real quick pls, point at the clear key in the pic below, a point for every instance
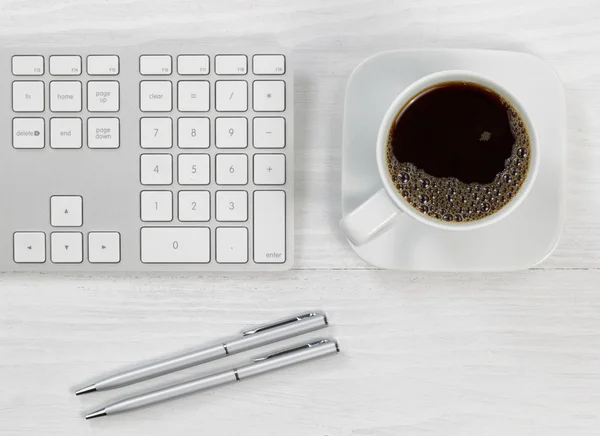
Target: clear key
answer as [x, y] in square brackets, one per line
[156, 96]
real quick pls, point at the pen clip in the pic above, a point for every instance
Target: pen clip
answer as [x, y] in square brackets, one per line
[290, 350]
[281, 323]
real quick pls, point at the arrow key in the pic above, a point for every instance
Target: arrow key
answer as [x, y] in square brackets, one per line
[29, 247]
[66, 211]
[104, 247]
[66, 247]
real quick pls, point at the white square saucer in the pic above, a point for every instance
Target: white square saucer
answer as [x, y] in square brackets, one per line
[519, 241]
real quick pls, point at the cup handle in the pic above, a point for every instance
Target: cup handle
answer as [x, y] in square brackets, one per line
[369, 220]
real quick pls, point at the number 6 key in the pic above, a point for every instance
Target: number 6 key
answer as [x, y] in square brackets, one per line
[232, 169]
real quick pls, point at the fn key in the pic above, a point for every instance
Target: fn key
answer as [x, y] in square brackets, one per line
[269, 226]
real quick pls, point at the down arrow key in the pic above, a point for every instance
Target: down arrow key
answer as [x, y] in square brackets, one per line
[66, 247]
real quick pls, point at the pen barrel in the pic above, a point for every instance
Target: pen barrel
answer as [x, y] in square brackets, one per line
[172, 392]
[284, 360]
[163, 367]
[280, 333]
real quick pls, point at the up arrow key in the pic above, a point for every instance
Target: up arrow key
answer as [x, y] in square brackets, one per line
[66, 211]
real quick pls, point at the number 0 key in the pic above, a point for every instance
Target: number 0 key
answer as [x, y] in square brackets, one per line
[175, 244]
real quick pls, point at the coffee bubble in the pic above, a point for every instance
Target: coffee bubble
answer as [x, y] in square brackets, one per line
[451, 200]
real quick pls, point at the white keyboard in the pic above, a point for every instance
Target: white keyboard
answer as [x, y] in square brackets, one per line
[166, 157]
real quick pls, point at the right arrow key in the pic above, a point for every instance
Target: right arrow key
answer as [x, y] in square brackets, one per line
[104, 247]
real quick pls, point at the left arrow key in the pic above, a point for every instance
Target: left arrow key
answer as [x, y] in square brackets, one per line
[29, 247]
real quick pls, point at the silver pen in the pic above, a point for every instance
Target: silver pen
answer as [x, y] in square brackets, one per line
[250, 339]
[261, 365]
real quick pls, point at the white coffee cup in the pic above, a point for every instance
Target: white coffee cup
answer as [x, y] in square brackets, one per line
[378, 214]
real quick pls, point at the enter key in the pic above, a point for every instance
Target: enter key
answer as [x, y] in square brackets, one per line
[269, 227]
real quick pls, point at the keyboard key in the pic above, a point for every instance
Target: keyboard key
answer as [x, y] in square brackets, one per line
[104, 247]
[269, 226]
[175, 244]
[29, 247]
[232, 95]
[28, 65]
[103, 96]
[156, 169]
[156, 132]
[68, 65]
[194, 206]
[66, 133]
[156, 96]
[103, 65]
[232, 244]
[28, 96]
[193, 65]
[193, 169]
[232, 206]
[66, 211]
[269, 132]
[103, 132]
[156, 206]
[157, 65]
[193, 96]
[193, 132]
[269, 95]
[268, 64]
[231, 132]
[231, 64]
[232, 169]
[269, 169]
[65, 96]
[28, 133]
[66, 247]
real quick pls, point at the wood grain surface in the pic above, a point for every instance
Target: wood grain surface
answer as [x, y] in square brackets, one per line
[422, 354]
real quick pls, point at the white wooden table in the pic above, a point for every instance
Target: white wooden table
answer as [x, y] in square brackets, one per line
[434, 354]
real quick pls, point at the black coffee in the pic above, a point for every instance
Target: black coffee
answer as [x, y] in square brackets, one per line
[458, 152]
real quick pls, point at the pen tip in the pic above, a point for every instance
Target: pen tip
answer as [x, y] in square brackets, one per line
[96, 414]
[91, 388]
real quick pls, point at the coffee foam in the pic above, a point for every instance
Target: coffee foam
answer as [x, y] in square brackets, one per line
[450, 200]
